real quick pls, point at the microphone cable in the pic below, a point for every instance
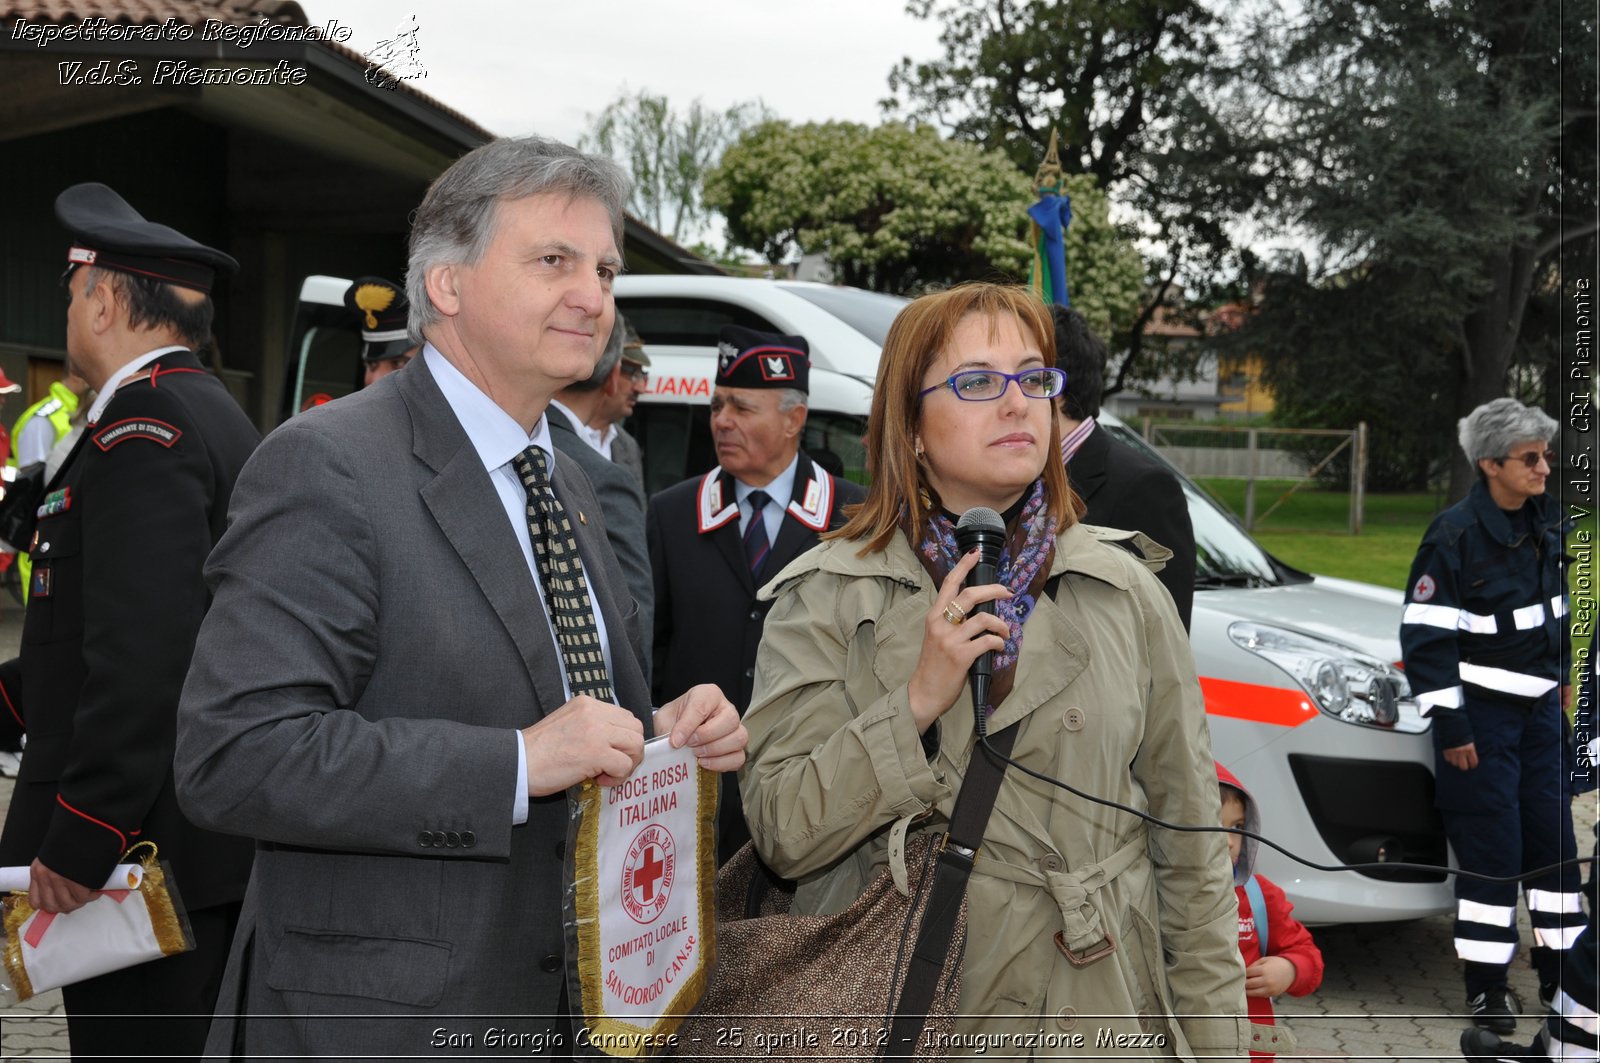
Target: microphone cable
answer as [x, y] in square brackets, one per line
[1398, 865]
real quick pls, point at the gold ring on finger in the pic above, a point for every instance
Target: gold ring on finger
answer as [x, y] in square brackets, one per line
[954, 613]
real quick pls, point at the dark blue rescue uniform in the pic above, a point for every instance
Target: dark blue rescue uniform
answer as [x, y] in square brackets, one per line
[1484, 638]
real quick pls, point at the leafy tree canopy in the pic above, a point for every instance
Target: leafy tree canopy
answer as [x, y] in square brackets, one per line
[898, 209]
[668, 153]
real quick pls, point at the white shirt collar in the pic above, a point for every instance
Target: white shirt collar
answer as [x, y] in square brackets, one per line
[114, 381]
[597, 439]
[780, 490]
[493, 433]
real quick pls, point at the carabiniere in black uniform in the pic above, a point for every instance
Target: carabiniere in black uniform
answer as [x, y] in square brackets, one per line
[116, 601]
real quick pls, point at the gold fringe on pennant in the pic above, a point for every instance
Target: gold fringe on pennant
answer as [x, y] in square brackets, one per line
[17, 912]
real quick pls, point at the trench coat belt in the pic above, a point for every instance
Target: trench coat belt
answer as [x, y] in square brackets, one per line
[1080, 920]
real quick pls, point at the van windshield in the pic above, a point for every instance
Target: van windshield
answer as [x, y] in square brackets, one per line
[1225, 555]
[869, 313]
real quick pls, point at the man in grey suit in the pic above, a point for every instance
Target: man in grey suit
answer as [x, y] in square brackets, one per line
[378, 694]
[571, 415]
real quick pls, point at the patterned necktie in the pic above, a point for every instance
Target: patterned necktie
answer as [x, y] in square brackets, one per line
[566, 591]
[756, 545]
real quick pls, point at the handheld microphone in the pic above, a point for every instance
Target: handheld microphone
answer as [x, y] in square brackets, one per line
[981, 528]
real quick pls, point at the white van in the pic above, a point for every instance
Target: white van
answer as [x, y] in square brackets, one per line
[1305, 702]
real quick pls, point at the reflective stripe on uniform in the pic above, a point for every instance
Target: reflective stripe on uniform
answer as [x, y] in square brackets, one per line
[1570, 1053]
[1551, 901]
[1478, 624]
[1557, 937]
[1528, 617]
[1500, 679]
[1485, 951]
[1448, 698]
[1579, 1015]
[1478, 912]
[1432, 616]
[1558, 606]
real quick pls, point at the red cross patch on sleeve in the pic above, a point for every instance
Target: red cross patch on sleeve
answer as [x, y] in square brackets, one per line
[137, 428]
[1424, 589]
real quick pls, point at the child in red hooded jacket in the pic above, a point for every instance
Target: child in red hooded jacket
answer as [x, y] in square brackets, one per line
[1283, 959]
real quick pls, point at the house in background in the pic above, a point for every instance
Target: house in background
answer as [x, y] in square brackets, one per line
[315, 171]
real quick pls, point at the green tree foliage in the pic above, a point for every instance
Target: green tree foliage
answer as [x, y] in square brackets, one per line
[668, 153]
[897, 209]
[1423, 147]
[1139, 91]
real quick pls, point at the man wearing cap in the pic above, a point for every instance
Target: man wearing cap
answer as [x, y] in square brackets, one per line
[634, 378]
[380, 310]
[1484, 636]
[621, 497]
[715, 539]
[116, 597]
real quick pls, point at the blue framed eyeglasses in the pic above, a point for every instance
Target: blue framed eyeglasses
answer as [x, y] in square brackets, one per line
[986, 385]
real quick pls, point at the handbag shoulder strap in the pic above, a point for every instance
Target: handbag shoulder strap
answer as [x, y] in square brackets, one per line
[957, 853]
[1258, 911]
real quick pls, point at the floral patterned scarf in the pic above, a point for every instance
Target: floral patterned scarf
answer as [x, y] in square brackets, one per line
[1024, 568]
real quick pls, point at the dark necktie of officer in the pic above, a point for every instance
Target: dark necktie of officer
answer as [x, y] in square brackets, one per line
[566, 591]
[756, 545]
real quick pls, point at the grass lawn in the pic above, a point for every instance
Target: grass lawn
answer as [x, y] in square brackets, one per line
[1311, 528]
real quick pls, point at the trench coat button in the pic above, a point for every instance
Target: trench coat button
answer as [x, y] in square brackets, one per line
[551, 963]
[1144, 1022]
[468, 839]
[561, 849]
[1074, 719]
[1051, 862]
[755, 614]
[425, 840]
[452, 840]
[44, 548]
[438, 839]
[749, 673]
[1067, 1018]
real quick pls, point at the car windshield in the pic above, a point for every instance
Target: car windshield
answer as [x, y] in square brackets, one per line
[869, 313]
[1225, 556]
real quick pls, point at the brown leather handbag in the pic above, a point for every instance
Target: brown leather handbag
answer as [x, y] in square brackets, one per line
[879, 980]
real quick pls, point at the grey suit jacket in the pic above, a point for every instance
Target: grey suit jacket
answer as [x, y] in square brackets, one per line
[625, 452]
[622, 500]
[374, 640]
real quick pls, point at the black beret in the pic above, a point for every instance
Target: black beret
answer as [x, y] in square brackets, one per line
[750, 359]
[380, 311]
[109, 234]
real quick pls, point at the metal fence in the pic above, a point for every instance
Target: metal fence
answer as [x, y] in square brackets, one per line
[1254, 454]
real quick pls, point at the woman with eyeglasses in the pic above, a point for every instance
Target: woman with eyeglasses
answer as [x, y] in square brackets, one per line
[1484, 636]
[1083, 920]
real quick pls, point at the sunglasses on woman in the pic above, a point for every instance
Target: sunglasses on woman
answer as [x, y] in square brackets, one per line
[1532, 458]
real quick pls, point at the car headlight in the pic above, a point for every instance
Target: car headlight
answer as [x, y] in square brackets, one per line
[1344, 683]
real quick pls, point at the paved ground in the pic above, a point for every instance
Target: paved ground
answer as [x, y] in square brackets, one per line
[1392, 990]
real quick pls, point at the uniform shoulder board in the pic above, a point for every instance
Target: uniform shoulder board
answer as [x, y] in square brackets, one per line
[119, 432]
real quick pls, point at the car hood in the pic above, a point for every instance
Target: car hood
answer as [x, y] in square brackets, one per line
[1358, 615]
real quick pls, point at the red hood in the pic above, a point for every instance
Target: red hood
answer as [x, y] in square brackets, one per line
[1252, 822]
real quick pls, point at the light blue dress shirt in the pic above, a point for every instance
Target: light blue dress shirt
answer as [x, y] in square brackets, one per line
[498, 439]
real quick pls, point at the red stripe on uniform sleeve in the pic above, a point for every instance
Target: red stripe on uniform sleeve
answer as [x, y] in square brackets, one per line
[11, 707]
[121, 837]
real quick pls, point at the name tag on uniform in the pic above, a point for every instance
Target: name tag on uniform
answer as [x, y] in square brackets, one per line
[39, 586]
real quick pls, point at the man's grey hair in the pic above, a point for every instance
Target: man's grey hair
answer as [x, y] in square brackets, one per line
[458, 216]
[608, 360]
[789, 398]
[1494, 428]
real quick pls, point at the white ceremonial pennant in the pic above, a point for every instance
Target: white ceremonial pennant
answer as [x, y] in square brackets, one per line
[645, 897]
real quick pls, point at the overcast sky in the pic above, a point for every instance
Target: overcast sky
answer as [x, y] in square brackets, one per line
[539, 66]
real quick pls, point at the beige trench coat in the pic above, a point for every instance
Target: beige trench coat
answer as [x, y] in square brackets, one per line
[1108, 700]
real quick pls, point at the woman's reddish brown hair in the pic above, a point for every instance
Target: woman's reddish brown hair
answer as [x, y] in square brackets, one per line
[917, 338]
